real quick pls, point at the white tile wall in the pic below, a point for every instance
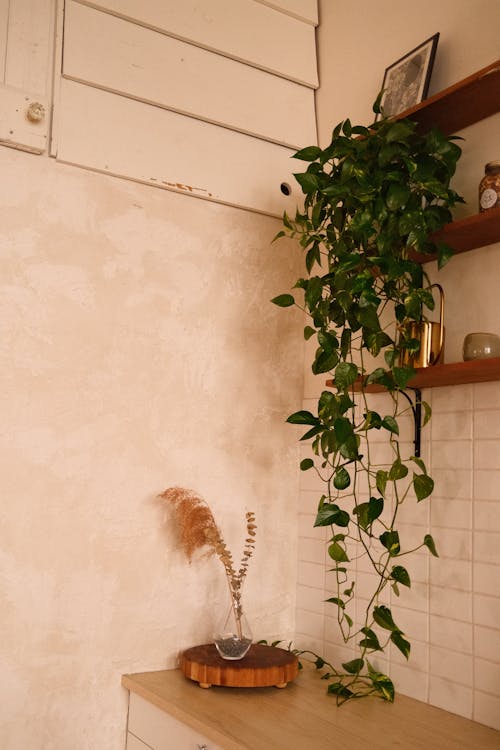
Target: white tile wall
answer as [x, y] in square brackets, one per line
[452, 613]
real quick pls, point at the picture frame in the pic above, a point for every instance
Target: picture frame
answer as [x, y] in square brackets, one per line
[406, 81]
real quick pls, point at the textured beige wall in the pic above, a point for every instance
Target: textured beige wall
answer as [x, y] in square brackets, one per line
[138, 350]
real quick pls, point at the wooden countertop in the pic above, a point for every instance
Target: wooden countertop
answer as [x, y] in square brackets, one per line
[303, 716]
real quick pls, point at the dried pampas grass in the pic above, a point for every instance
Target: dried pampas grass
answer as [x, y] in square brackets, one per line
[198, 531]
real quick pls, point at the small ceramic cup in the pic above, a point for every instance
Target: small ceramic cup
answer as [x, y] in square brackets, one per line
[481, 346]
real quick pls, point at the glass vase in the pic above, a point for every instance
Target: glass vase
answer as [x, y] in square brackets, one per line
[233, 636]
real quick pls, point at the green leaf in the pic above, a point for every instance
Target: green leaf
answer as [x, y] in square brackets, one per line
[427, 413]
[402, 375]
[303, 417]
[423, 485]
[281, 233]
[308, 182]
[381, 480]
[368, 512]
[312, 432]
[383, 617]
[345, 375]
[368, 318]
[397, 196]
[308, 332]
[382, 684]
[319, 663]
[376, 104]
[328, 341]
[330, 514]
[390, 424]
[283, 300]
[377, 376]
[390, 540]
[401, 575]
[344, 430]
[336, 688]
[324, 361]
[313, 291]
[419, 462]
[429, 543]
[335, 600]
[341, 480]
[371, 641]
[401, 643]
[337, 552]
[306, 463]
[397, 471]
[445, 252]
[313, 256]
[354, 667]
[376, 341]
[399, 131]
[310, 153]
[372, 421]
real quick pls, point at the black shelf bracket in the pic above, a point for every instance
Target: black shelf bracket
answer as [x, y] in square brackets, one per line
[416, 407]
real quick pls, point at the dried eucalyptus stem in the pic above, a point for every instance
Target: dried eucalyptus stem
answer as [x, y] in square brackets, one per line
[198, 530]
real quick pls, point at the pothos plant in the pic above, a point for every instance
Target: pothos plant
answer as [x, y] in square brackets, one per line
[373, 198]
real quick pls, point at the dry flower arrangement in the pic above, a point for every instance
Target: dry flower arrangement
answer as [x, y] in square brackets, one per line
[198, 531]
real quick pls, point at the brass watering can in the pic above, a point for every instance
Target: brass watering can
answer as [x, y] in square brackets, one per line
[430, 336]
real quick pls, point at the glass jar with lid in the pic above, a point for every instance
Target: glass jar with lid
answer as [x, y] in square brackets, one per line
[489, 187]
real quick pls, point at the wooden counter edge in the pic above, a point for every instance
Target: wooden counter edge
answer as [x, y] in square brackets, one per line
[132, 683]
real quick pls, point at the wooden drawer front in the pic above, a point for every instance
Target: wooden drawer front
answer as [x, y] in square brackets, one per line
[160, 731]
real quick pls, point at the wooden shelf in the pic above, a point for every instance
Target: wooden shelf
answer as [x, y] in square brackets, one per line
[457, 373]
[452, 109]
[467, 234]
[463, 104]
[460, 105]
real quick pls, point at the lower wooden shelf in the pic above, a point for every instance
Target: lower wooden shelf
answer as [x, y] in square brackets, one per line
[457, 373]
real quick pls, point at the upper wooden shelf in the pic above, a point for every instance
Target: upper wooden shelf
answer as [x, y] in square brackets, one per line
[462, 104]
[452, 109]
[457, 373]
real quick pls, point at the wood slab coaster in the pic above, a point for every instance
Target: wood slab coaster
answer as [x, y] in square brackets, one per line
[263, 666]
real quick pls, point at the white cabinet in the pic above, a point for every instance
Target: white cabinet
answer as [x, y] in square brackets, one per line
[151, 728]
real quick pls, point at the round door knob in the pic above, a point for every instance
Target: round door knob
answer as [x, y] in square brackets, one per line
[35, 112]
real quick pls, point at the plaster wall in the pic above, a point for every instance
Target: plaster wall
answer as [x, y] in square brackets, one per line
[139, 350]
[452, 613]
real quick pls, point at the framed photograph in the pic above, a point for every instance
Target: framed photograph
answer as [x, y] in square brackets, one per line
[406, 81]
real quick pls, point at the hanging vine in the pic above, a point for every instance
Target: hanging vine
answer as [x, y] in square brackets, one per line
[373, 198]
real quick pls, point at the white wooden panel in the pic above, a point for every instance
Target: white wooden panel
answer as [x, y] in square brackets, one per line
[134, 744]
[161, 730]
[4, 19]
[306, 10]
[155, 68]
[29, 46]
[121, 136]
[16, 129]
[242, 29]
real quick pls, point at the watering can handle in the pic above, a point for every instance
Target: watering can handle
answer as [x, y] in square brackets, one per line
[441, 321]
